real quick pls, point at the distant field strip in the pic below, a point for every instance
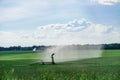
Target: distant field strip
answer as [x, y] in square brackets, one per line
[16, 55]
[111, 53]
[19, 55]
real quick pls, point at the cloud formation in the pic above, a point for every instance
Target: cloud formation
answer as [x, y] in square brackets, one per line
[106, 2]
[74, 32]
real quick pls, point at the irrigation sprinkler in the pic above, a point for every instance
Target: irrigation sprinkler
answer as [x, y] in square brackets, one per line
[53, 62]
[44, 63]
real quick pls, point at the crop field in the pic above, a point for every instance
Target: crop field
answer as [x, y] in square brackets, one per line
[18, 55]
[16, 65]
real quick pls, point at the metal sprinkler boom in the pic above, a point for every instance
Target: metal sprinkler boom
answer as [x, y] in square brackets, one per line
[53, 62]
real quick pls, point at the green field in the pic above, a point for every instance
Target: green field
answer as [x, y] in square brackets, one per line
[17, 67]
[18, 55]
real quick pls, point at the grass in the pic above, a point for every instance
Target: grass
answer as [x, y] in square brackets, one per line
[59, 72]
[18, 55]
[111, 53]
[106, 67]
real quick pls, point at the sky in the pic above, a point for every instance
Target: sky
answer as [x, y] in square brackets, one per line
[59, 22]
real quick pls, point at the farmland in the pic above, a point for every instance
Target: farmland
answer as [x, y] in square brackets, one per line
[17, 67]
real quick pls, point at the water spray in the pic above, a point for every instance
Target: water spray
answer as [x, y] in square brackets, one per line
[70, 53]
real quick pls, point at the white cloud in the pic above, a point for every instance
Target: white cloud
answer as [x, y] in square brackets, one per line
[73, 32]
[106, 2]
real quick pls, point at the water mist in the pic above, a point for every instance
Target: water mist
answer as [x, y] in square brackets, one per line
[69, 53]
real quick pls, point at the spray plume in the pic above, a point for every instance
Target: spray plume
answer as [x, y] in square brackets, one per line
[71, 53]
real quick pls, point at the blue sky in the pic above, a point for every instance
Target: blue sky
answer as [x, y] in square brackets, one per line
[26, 16]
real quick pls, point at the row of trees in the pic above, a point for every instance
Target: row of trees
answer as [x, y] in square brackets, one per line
[111, 46]
[19, 48]
[88, 46]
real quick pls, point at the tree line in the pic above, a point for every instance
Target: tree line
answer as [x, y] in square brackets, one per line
[78, 47]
